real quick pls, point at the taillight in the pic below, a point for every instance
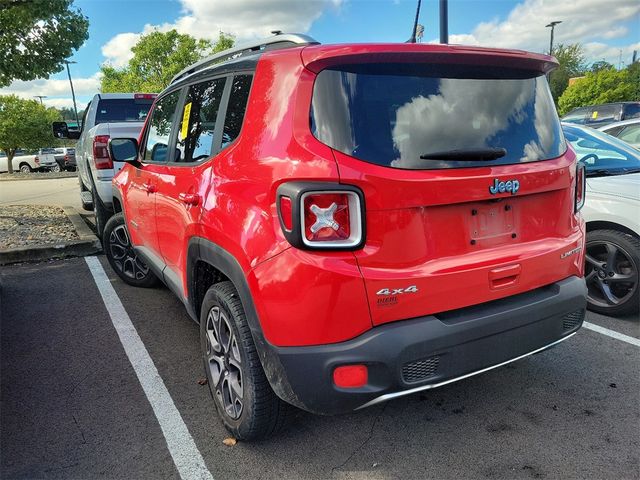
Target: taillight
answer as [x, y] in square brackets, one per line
[101, 152]
[327, 218]
[581, 186]
[36, 160]
[321, 216]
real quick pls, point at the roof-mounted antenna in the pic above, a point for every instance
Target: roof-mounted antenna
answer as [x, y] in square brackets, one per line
[276, 32]
[415, 25]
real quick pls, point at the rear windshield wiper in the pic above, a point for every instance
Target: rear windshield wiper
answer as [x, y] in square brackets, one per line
[467, 154]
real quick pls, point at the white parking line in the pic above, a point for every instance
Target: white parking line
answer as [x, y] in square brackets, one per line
[182, 448]
[612, 333]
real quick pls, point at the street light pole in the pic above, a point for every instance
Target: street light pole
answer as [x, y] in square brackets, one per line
[73, 94]
[444, 21]
[40, 97]
[553, 26]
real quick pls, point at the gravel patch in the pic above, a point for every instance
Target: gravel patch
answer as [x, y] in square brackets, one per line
[27, 225]
[6, 177]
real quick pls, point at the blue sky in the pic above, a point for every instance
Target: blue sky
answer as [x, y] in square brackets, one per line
[604, 27]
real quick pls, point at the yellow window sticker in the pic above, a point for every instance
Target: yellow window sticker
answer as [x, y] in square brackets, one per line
[594, 115]
[185, 120]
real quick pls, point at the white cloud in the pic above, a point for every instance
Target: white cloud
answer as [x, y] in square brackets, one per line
[57, 91]
[584, 21]
[244, 19]
[117, 51]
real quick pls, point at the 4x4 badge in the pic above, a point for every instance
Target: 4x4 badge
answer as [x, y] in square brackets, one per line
[511, 186]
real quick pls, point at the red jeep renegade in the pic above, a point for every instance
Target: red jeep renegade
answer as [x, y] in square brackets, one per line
[353, 223]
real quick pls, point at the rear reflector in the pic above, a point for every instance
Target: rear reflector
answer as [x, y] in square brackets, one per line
[101, 152]
[350, 376]
[286, 213]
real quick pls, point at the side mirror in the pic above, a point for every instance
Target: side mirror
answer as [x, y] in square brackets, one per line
[61, 130]
[123, 149]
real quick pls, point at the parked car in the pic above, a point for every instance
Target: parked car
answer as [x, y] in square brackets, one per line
[66, 158]
[600, 115]
[46, 157]
[344, 231]
[612, 213]
[628, 131]
[24, 161]
[107, 115]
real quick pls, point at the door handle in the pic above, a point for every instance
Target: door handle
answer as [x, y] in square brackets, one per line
[189, 198]
[150, 188]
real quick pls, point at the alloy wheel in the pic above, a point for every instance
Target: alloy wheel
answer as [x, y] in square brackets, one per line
[224, 362]
[124, 256]
[610, 274]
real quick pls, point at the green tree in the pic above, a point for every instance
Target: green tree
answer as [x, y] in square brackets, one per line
[157, 57]
[24, 124]
[601, 65]
[572, 64]
[37, 36]
[603, 86]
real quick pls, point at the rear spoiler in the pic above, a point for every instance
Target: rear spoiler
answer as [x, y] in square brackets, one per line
[317, 58]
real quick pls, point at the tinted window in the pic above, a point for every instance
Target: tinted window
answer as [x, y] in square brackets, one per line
[197, 125]
[122, 110]
[162, 119]
[613, 131]
[576, 116]
[236, 108]
[632, 110]
[603, 113]
[383, 115]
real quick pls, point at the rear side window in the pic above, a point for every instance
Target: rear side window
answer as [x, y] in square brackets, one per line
[236, 108]
[390, 115]
[122, 110]
[632, 110]
[196, 133]
[162, 118]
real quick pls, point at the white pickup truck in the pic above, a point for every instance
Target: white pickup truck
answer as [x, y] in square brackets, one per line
[27, 162]
[108, 115]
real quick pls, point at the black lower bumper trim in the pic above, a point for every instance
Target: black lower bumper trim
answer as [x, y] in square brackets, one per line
[442, 348]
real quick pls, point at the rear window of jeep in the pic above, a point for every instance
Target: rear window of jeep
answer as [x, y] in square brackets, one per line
[391, 115]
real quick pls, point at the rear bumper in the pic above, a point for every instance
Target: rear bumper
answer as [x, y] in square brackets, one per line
[422, 353]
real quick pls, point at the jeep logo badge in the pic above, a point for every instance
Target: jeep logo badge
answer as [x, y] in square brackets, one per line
[511, 186]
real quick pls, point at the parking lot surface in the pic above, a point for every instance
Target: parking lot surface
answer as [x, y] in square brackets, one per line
[72, 405]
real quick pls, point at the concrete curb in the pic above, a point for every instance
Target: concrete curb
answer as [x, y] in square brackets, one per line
[88, 244]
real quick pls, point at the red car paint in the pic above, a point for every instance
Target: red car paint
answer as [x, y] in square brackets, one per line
[425, 248]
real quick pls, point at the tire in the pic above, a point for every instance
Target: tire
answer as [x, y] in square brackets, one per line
[100, 213]
[611, 272]
[121, 256]
[25, 168]
[259, 413]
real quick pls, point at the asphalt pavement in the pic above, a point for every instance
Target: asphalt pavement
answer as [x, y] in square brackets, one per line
[72, 405]
[55, 191]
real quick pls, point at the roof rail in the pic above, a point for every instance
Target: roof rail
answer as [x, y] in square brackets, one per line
[279, 40]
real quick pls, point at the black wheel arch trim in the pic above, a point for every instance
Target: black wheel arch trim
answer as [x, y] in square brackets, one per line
[201, 249]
